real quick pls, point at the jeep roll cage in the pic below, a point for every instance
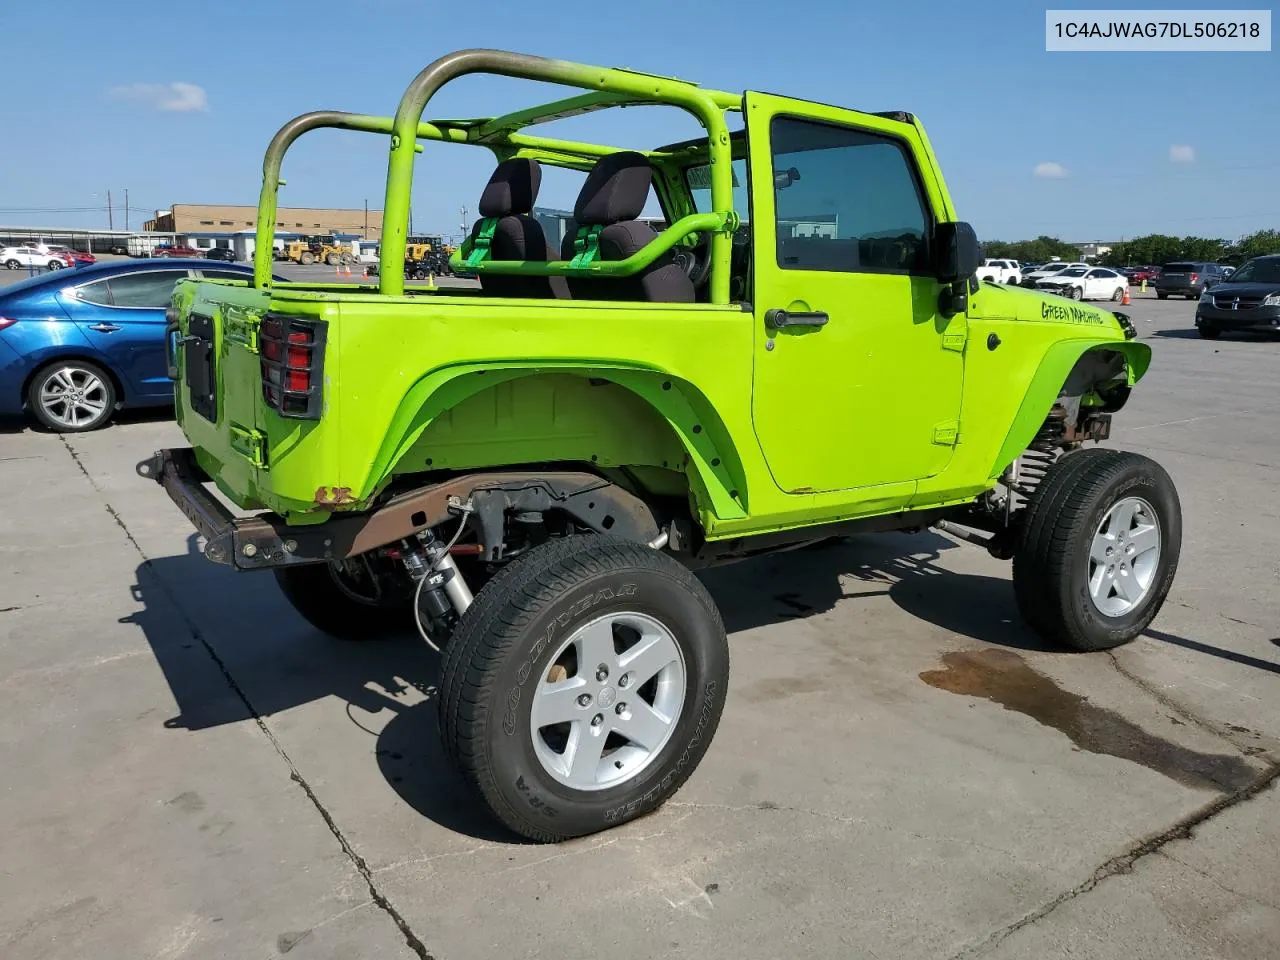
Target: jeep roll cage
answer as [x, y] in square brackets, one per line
[608, 88]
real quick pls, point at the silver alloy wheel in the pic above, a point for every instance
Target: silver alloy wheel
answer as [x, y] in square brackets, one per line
[599, 716]
[1124, 557]
[73, 397]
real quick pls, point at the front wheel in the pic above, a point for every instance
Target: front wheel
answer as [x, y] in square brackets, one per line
[55, 265]
[307, 258]
[331, 259]
[583, 686]
[1077, 293]
[1098, 549]
[1117, 295]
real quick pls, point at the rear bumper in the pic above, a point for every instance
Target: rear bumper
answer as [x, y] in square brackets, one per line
[1183, 291]
[247, 543]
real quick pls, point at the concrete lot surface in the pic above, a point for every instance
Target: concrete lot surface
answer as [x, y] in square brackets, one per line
[903, 770]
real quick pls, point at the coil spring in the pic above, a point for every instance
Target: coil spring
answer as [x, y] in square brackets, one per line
[1044, 449]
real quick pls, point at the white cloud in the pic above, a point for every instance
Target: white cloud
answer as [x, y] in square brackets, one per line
[1181, 153]
[174, 97]
[1050, 170]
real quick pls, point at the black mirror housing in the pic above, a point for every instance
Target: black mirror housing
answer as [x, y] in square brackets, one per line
[956, 251]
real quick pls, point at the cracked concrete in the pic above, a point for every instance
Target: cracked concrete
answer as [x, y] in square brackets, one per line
[203, 776]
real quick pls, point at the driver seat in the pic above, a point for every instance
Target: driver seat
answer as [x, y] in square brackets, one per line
[612, 197]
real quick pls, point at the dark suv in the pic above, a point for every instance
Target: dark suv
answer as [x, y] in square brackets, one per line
[1250, 300]
[1187, 278]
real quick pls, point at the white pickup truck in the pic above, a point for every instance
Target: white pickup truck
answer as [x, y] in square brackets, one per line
[1000, 271]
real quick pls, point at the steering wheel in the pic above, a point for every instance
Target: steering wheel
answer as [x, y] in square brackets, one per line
[695, 261]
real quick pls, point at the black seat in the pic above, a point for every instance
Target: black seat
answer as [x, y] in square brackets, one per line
[508, 199]
[612, 197]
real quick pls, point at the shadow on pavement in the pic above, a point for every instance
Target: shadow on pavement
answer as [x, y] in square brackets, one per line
[1207, 648]
[231, 649]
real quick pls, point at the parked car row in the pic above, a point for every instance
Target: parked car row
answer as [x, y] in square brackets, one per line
[43, 256]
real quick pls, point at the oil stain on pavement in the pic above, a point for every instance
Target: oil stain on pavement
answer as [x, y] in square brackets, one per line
[1004, 677]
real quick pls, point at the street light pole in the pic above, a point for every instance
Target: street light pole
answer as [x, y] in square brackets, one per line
[110, 222]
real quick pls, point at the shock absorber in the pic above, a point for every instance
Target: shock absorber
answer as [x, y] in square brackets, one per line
[1025, 473]
[441, 589]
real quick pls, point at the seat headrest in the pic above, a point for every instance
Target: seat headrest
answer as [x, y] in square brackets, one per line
[513, 188]
[615, 190]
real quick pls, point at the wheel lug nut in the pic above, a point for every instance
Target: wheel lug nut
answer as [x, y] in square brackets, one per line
[620, 709]
[584, 700]
[624, 681]
[597, 720]
[602, 673]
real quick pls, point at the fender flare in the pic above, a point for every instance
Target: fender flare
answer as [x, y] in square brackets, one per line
[1042, 391]
[717, 477]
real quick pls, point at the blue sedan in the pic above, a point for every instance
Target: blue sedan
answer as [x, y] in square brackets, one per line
[77, 345]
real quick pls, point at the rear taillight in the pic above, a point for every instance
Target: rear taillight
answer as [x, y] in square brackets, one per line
[6, 323]
[1195, 278]
[292, 353]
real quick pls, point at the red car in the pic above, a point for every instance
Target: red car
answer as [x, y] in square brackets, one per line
[1140, 274]
[74, 258]
[175, 251]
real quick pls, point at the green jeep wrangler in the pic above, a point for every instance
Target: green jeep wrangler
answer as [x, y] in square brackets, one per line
[530, 467]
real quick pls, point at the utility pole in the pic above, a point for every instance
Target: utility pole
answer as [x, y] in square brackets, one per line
[110, 222]
[411, 221]
[366, 220]
[126, 208]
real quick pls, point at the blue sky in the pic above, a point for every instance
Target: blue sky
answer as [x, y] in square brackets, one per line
[177, 101]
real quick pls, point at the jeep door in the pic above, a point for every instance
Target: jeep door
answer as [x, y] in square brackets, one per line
[858, 377]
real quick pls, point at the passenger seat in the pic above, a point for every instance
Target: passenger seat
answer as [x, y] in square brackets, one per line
[508, 198]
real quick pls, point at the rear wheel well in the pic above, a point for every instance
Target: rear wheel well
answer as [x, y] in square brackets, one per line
[116, 382]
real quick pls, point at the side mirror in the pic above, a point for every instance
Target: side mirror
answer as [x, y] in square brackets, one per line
[956, 251]
[786, 178]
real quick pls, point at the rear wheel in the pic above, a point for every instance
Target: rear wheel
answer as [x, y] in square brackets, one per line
[1098, 549]
[72, 396]
[583, 686]
[355, 599]
[13, 264]
[1161, 295]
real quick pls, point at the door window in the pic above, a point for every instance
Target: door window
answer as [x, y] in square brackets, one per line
[150, 290]
[99, 293]
[845, 200]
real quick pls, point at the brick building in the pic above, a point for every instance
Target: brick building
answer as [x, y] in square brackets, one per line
[198, 220]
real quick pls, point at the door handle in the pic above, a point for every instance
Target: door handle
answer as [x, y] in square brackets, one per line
[103, 327]
[783, 318]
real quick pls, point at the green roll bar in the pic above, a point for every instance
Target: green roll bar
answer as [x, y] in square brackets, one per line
[651, 251]
[407, 128]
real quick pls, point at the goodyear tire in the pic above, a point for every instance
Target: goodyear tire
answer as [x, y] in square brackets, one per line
[350, 603]
[1097, 549]
[583, 686]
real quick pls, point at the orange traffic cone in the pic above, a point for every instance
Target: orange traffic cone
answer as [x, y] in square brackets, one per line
[1126, 301]
[365, 275]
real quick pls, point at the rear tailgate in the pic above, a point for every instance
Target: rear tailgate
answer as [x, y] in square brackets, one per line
[219, 382]
[251, 397]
